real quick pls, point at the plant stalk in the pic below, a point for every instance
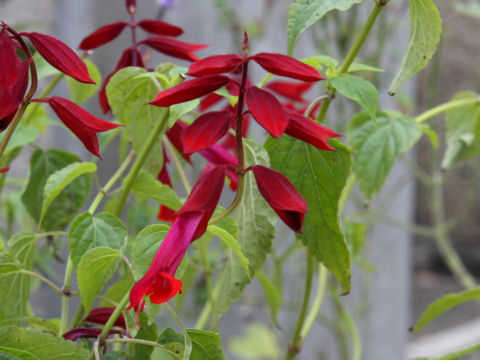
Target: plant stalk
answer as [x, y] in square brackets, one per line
[451, 105]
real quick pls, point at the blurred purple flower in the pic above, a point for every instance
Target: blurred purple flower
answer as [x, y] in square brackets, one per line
[165, 3]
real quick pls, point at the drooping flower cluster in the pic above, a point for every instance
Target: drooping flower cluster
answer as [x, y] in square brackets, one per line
[190, 222]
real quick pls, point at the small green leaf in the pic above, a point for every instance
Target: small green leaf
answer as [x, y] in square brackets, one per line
[304, 13]
[15, 354]
[147, 187]
[319, 176]
[425, 32]
[274, 297]
[89, 231]
[363, 67]
[359, 90]
[94, 271]
[445, 303]
[258, 343]
[79, 92]
[60, 179]
[8, 264]
[376, 146]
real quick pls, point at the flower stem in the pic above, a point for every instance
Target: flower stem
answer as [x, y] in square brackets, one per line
[65, 299]
[41, 278]
[318, 301]
[451, 105]
[142, 157]
[297, 339]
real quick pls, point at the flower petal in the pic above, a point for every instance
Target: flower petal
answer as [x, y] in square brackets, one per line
[175, 48]
[102, 35]
[206, 131]
[60, 56]
[280, 194]
[283, 65]
[190, 90]
[290, 90]
[217, 64]
[267, 110]
[160, 27]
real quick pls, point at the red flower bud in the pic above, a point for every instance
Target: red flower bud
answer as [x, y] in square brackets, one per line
[217, 64]
[206, 131]
[283, 65]
[175, 48]
[280, 194]
[102, 314]
[174, 135]
[102, 35]
[131, 6]
[60, 56]
[160, 28]
[9, 61]
[4, 169]
[11, 97]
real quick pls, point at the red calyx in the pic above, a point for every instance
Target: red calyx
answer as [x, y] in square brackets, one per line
[217, 64]
[4, 169]
[101, 315]
[158, 27]
[175, 48]
[102, 35]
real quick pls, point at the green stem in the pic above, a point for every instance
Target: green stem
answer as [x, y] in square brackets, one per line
[352, 328]
[451, 105]
[207, 309]
[347, 189]
[143, 342]
[318, 301]
[65, 299]
[41, 278]
[459, 354]
[142, 157]
[178, 166]
[187, 341]
[296, 342]
[53, 233]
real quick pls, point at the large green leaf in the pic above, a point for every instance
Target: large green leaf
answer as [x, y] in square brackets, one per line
[463, 125]
[94, 271]
[147, 187]
[60, 179]
[89, 231]
[445, 303]
[67, 204]
[80, 92]
[15, 287]
[359, 90]
[304, 13]
[425, 32]
[256, 231]
[43, 346]
[377, 144]
[319, 176]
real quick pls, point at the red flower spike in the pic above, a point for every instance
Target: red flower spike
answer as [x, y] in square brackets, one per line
[217, 64]
[280, 194]
[292, 91]
[101, 315]
[4, 169]
[283, 65]
[174, 135]
[102, 35]
[190, 90]
[206, 131]
[309, 131]
[158, 27]
[60, 56]
[83, 124]
[175, 48]
[267, 110]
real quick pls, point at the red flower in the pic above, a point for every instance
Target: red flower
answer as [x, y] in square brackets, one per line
[280, 194]
[290, 90]
[284, 65]
[217, 64]
[101, 315]
[83, 124]
[85, 332]
[175, 48]
[166, 214]
[160, 27]
[190, 223]
[4, 169]
[102, 35]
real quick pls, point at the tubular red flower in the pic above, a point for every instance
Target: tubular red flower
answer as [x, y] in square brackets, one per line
[160, 27]
[101, 315]
[102, 35]
[219, 155]
[283, 65]
[175, 48]
[309, 131]
[60, 56]
[190, 90]
[280, 194]
[166, 214]
[267, 110]
[292, 91]
[83, 124]
[217, 64]
[206, 131]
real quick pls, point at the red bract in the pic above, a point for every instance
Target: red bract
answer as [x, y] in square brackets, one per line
[9, 61]
[218, 155]
[209, 100]
[102, 314]
[4, 169]
[190, 90]
[280, 194]
[60, 56]
[292, 91]
[130, 57]
[283, 65]
[12, 96]
[206, 131]
[160, 27]
[217, 64]
[83, 124]
[174, 135]
[309, 131]
[267, 110]
[175, 48]
[102, 35]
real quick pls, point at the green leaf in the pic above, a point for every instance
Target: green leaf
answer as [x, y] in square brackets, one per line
[425, 31]
[273, 295]
[79, 92]
[147, 187]
[445, 303]
[60, 179]
[320, 177]
[8, 264]
[363, 67]
[146, 332]
[359, 90]
[259, 342]
[34, 322]
[67, 204]
[15, 354]
[462, 124]
[355, 233]
[128, 95]
[304, 13]
[376, 146]
[41, 345]
[94, 271]
[256, 231]
[89, 231]
[24, 134]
